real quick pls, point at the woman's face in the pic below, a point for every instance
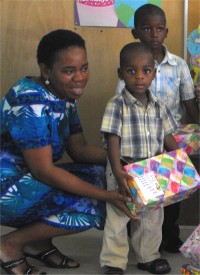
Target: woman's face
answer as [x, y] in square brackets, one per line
[69, 73]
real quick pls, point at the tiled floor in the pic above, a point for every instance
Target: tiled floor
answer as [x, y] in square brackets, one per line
[85, 247]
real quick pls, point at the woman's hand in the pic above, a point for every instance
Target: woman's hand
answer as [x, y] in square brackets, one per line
[119, 200]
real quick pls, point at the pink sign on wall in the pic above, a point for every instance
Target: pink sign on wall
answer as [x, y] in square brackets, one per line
[108, 13]
[96, 13]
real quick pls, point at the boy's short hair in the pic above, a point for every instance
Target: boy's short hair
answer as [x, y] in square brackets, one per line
[145, 10]
[138, 47]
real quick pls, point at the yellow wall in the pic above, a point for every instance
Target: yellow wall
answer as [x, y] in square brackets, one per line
[24, 22]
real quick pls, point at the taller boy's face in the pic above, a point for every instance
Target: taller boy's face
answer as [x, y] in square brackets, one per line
[152, 31]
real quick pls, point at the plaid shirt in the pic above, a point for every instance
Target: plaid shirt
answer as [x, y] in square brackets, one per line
[141, 129]
[172, 84]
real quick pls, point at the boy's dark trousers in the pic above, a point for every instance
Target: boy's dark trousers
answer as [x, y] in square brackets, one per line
[170, 229]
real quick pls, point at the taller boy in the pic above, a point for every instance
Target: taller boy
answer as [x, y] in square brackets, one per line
[173, 85]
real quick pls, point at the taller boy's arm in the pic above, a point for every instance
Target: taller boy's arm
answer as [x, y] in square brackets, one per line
[192, 110]
[170, 143]
[197, 90]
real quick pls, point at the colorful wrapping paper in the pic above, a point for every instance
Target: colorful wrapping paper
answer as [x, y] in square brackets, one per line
[187, 137]
[161, 180]
[188, 269]
[191, 248]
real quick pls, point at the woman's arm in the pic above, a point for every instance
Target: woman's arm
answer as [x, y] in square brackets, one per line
[40, 163]
[81, 152]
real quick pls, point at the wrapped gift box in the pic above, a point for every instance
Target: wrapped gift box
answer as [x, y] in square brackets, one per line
[188, 269]
[188, 138]
[161, 180]
[191, 247]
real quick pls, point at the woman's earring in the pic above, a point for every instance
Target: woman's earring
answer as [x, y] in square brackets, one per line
[46, 82]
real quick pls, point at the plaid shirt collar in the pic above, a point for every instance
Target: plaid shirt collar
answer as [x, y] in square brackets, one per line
[129, 99]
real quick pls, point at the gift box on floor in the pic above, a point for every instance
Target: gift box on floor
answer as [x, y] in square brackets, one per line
[191, 247]
[188, 269]
[161, 180]
[187, 137]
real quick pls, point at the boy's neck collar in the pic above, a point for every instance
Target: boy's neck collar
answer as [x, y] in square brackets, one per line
[159, 56]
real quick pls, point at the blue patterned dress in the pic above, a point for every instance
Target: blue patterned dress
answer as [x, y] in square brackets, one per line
[31, 117]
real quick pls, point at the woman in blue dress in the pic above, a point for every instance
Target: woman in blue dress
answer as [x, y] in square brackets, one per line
[39, 122]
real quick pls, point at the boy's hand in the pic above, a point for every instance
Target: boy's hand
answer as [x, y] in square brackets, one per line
[122, 179]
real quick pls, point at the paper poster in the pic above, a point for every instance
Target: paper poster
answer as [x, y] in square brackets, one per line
[108, 13]
[193, 45]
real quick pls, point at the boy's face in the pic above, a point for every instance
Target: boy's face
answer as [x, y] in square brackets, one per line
[152, 31]
[137, 72]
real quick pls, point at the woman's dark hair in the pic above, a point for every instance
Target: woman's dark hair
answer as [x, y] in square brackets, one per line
[138, 47]
[54, 41]
[145, 10]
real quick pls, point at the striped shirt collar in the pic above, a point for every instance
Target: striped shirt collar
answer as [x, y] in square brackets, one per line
[169, 58]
